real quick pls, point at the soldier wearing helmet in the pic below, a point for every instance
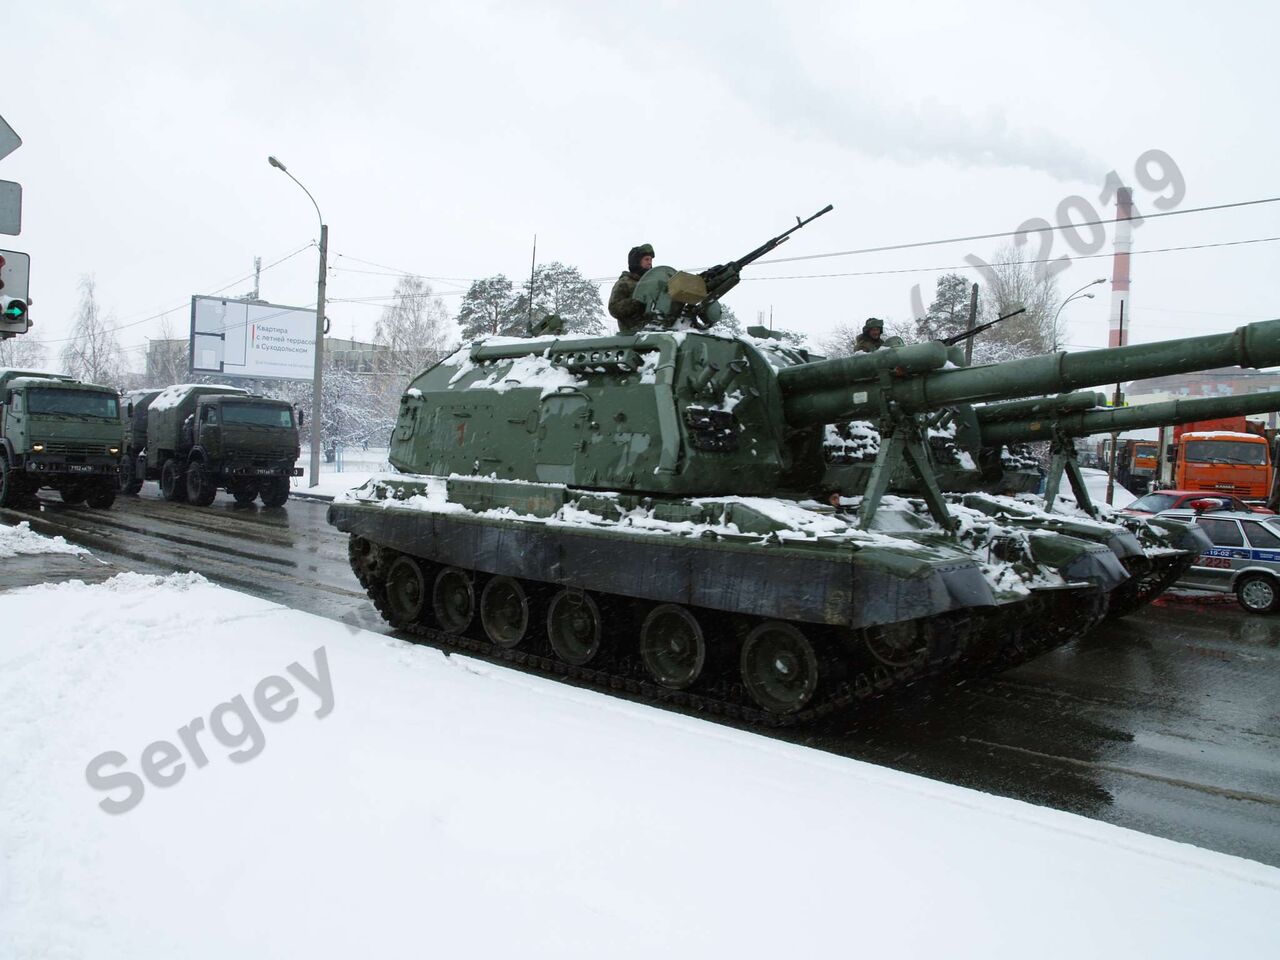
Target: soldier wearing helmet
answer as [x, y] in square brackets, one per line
[623, 306]
[869, 339]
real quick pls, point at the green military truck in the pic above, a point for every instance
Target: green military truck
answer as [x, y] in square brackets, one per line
[58, 432]
[134, 407]
[204, 437]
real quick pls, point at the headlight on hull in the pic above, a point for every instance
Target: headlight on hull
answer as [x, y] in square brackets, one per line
[113, 450]
[37, 448]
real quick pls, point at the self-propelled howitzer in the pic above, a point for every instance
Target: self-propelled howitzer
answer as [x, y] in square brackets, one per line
[636, 511]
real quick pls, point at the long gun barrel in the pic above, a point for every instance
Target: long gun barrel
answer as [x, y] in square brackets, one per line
[912, 378]
[724, 277]
[1081, 424]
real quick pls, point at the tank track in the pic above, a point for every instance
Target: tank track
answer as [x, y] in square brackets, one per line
[977, 643]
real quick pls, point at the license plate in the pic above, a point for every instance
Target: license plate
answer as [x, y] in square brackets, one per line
[264, 471]
[79, 468]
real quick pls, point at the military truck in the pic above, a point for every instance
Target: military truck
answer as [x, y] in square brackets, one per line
[58, 432]
[134, 406]
[204, 437]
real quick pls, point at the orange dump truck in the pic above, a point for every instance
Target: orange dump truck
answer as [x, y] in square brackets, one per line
[1225, 455]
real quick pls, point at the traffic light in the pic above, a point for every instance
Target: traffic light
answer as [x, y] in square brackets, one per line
[15, 273]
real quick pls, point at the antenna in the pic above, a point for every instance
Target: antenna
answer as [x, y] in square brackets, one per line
[533, 273]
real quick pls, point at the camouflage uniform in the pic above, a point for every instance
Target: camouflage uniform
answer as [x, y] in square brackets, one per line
[628, 311]
[864, 342]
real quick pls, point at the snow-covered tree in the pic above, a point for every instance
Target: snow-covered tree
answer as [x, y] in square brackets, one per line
[93, 354]
[564, 291]
[948, 314]
[489, 309]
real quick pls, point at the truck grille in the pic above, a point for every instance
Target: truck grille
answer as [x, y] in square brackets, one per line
[64, 449]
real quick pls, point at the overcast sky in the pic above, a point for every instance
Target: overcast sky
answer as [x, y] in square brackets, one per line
[438, 139]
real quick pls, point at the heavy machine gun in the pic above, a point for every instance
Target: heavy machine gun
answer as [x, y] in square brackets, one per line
[673, 297]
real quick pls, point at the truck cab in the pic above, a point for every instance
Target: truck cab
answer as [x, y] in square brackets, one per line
[59, 433]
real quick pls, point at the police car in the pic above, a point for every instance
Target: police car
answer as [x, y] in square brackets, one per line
[1245, 558]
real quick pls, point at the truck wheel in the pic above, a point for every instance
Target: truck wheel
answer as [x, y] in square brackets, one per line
[244, 495]
[171, 484]
[127, 482]
[1257, 593]
[200, 486]
[275, 492]
[103, 496]
[73, 495]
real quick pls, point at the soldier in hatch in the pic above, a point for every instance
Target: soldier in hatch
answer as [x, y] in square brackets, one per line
[869, 339]
[628, 311]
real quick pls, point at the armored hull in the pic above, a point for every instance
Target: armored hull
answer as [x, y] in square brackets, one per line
[564, 505]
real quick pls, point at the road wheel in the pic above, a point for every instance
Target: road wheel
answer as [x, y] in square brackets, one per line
[73, 495]
[244, 495]
[574, 627]
[103, 495]
[406, 591]
[275, 492]
[200, 486]
[9, 492]
[1257, 593]
[779, 667]
[504, 611]
[672, 646]
[453, 599]
[171, 484]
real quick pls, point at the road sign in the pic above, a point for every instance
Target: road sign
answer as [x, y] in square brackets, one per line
[9, 141]
[10, 207]
[10, 193]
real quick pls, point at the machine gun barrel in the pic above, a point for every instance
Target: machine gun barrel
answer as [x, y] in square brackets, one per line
[1082, 424]
[847, 388]
[723, 278]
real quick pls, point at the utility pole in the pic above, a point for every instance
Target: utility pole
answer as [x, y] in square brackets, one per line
[257, 273]
[1116, 402]
[973, 322]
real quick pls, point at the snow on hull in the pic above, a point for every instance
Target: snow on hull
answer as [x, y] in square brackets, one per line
[448, 808]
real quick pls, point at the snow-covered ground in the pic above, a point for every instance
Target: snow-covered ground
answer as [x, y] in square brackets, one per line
[1096, 481]
[413, 804]
[22, 540]
[357, 467]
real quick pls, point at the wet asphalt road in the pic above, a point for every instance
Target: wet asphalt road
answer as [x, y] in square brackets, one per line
[1167, 722]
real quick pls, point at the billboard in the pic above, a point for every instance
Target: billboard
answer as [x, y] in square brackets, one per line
[243, 338]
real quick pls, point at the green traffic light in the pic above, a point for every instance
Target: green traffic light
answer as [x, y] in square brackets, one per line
[14, 311]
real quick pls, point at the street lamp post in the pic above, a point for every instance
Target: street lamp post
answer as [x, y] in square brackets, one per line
[1073, 296]
[316, 413]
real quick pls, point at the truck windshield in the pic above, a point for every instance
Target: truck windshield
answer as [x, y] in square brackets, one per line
[1226, 451]
[75, 403]
[257, 415]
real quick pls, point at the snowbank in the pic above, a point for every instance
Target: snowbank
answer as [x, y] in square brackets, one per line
[448, 808]
[23, 540]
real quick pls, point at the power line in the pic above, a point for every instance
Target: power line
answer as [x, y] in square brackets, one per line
[1009, 263]
[1016, 233]
[186, 303]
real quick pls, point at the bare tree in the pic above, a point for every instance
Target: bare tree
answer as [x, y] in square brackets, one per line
[1009, 285]
[415, 329]
[24, 352]
[93, 354]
